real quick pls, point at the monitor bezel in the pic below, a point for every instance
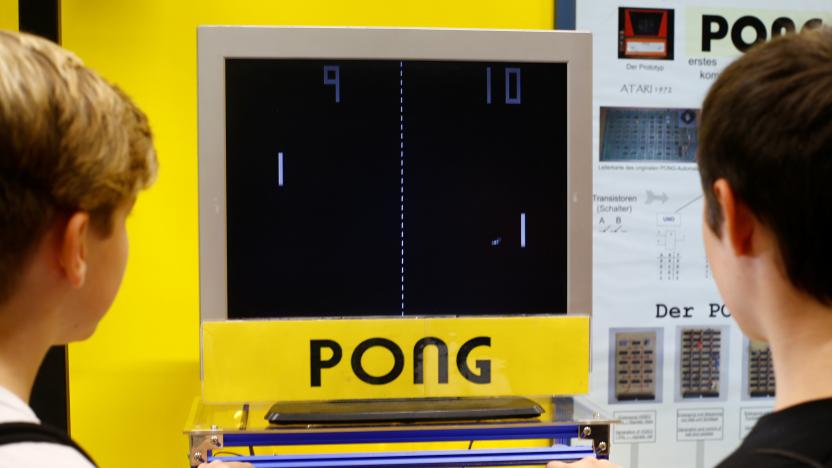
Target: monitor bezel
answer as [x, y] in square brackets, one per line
[215, 44]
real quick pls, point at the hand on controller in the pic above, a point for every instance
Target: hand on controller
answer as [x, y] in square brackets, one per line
[222, 464]
[588, 462]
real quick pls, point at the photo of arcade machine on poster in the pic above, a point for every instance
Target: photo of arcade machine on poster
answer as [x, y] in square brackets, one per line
[645, 33]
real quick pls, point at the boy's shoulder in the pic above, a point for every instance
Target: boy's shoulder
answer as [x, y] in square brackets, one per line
[32, 454]
[793, 437]
[41, 455]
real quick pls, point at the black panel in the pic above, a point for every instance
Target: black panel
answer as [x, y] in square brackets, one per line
[404, 188]
[646, 23]
[49, 394]
[403, 410]
[40, 17]
[327, 242]
[476, 172]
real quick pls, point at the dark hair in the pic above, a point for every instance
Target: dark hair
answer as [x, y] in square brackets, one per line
[766, 128]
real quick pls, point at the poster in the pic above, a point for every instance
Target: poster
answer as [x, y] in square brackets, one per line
[667, 359]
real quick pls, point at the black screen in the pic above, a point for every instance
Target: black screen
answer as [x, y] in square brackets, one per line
[646, 24]
[375, 187]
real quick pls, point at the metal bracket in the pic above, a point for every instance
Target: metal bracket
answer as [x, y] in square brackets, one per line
[203, 442]
[600, 435]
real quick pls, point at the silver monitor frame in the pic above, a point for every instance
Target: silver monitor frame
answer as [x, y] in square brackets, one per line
[217, 43]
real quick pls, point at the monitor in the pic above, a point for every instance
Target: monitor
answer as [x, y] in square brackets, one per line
[349, 172]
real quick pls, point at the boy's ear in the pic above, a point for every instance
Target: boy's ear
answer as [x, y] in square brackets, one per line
[738, 222]
[73, 248]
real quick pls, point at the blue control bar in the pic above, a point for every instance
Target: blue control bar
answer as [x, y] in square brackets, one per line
[424, 458]
[560, 433]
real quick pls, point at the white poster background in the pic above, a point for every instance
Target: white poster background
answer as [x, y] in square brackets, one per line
[648, 251]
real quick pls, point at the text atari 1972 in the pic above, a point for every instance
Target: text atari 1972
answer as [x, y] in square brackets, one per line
[395, 229]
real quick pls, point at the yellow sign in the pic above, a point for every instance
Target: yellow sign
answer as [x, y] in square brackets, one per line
[394, 358]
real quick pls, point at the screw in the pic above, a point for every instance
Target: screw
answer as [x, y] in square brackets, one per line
[587, 431]
[197, 456]
[215, 440]
[602, 447]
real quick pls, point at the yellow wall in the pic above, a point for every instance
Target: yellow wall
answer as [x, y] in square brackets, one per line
[8, 14]
[132, 384]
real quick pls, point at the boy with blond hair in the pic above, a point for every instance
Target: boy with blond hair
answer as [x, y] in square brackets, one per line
[74, 153]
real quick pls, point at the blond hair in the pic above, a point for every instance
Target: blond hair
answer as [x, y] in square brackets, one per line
[69, 141]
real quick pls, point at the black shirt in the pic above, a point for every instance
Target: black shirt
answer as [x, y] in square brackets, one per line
[796, 437]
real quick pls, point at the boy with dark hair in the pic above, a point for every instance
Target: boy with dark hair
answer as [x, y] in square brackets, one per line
[74, 153]
[765, 160]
